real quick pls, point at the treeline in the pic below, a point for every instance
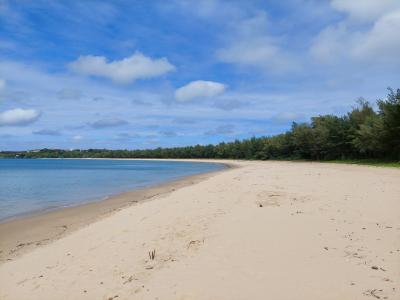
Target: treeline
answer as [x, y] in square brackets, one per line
[363, 133]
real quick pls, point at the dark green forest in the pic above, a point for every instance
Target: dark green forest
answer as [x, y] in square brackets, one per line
[362, 133]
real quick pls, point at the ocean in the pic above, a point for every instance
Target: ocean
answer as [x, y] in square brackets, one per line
[35, 185]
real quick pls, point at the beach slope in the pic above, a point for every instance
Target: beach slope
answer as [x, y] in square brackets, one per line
[264, 230]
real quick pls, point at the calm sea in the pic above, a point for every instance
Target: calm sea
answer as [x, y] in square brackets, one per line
[32, 185]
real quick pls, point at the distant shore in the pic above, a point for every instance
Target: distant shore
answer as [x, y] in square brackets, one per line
[278, 230]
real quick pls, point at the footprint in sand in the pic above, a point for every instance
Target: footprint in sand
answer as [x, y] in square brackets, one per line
[269, 198]
[195, 244]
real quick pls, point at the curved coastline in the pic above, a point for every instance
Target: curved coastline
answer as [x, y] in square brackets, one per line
[25, 232]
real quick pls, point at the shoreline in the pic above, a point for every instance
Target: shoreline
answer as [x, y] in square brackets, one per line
[105, 197]
[20, 234]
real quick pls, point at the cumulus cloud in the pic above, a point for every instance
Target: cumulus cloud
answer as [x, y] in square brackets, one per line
[381, 42]
[199, 89]
[366, 10]
[109, 122]
[326, 46]
[18, 117]
[252, 45]
[353, 40]
[129, 69]
[258, 52]
[47, 132]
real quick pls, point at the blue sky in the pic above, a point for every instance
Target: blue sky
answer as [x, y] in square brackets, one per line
[143, 74]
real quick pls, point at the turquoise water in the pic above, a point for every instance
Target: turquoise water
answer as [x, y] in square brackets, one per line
[32, 185]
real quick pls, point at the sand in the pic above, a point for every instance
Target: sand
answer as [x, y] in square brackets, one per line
[264, 230]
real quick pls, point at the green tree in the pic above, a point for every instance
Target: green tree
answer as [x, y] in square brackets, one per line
[389, 110]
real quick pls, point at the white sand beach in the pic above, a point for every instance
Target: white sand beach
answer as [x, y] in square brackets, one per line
[263, 230]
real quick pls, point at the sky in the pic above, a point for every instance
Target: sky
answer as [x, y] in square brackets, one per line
[145, 74]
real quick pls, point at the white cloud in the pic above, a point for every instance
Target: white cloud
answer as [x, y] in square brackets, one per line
[255, 51]
[2, 84]
[129, 69]
[18, 117]
[376, 43]
[381, 42]
[365, 10]
[199, 89]
[252, 45]
[329, 46]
